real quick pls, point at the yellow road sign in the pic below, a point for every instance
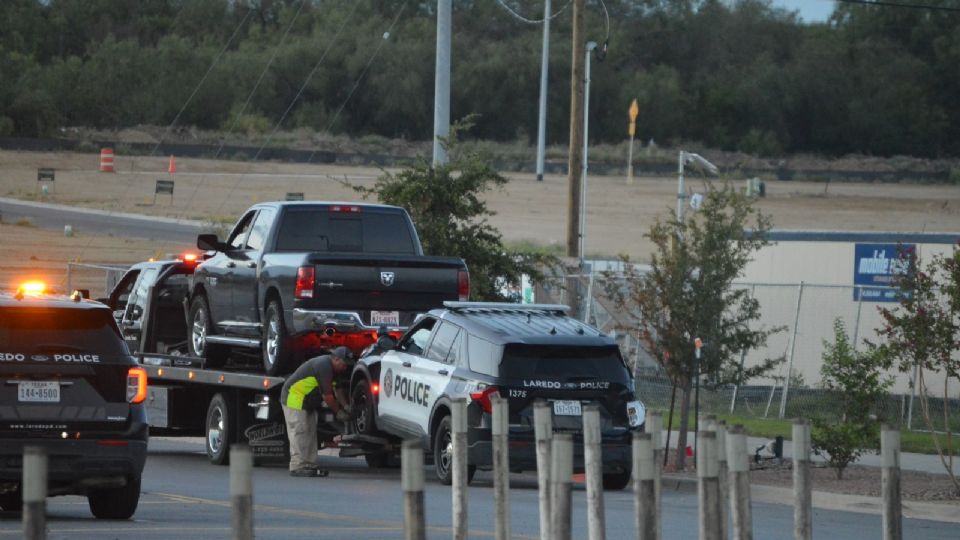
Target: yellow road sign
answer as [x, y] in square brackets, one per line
[634, 111]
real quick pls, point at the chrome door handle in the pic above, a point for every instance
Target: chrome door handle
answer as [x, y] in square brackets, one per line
[443, 372]
[406, 364]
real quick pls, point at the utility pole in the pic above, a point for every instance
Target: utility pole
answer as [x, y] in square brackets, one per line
[575, 162]
[544, 65]
[441, 87]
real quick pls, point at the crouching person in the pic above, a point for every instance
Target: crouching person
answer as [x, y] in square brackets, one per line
[303, 393]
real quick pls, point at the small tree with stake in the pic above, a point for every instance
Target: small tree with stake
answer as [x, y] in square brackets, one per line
[858, 386]
[922, 335]
[689, 293]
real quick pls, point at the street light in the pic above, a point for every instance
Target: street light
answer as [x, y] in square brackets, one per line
[686, 158]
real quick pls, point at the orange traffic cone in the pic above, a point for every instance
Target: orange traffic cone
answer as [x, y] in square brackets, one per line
[172, 167]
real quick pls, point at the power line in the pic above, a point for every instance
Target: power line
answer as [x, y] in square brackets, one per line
[521, 18]
[880, 3]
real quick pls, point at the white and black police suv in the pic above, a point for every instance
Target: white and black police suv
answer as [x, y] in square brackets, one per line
[69, 385]
[477, 351]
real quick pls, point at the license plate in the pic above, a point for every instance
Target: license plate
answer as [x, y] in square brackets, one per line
[384, 317]
[39, 391]
[567, 408]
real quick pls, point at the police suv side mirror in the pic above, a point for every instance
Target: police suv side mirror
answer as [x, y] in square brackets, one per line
[209, 242]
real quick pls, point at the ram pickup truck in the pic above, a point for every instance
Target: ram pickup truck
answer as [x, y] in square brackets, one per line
[294, 279]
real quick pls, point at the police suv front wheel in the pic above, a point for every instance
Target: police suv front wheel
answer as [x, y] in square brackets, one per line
[443, 454]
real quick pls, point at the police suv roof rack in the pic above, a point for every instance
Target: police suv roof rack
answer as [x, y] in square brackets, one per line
[505, 306]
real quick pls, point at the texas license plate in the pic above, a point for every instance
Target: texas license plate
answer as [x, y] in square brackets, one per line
[390, 318]
[39, 391]
[567, 408]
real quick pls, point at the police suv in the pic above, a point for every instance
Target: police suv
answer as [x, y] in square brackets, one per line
[478, 351]
[69, 385]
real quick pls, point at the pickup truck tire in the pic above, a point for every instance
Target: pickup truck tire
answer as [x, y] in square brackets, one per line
[276, 344]
[221, 429]
[115, 503]
[11, 501]
[443, 454]
[616, 481]
[200, 326]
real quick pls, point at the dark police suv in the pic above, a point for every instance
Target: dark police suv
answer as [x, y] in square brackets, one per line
[68, 384]
[523, 353]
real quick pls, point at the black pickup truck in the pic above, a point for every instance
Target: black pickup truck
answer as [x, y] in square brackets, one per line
[295, 279]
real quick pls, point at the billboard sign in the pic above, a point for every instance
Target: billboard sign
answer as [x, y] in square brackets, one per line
[874, 267]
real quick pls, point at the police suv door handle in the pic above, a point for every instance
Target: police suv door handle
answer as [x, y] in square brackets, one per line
[443, 372]
[231, 264]
[252, 264]
[407, 364]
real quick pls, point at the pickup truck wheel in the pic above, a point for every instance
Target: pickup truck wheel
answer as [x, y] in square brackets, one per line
[201, 326]
[364, 421]
[11, 501]
[616, 481]
[443, 454]
[115, 503]
[221, 430]
[276, 346]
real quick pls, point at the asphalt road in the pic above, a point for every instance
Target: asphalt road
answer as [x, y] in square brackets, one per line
[184, 496]
[52, 216]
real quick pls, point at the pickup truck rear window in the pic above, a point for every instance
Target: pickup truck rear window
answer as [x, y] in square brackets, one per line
[74, 335]
[318, 229]
[563, 363]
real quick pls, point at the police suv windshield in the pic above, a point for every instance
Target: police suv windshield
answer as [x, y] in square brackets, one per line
[68, 335]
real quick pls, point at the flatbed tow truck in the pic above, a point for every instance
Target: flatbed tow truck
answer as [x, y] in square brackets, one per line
[240, 404]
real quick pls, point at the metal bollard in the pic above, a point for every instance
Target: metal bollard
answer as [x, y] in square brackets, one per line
[655, 428]
[890, 482]
[644, 486]
[411, 478]
[34, 493]
[241, 491]
[593, 463]
[543, 431]
[740, 511]
[802, 490]
[561, 476]
[708, 486]
[458, 413]
[501, 467]
[720, 428]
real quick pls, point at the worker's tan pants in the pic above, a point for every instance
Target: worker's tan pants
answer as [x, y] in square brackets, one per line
[302, 431]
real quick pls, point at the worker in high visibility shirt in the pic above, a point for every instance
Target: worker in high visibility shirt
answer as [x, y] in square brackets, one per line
[301, 399]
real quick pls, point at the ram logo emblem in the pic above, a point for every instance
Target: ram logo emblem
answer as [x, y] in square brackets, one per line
[387, 278]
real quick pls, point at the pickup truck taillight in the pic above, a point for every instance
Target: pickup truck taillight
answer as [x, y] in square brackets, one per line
[484, 397]
[305, 280]
[463, 285]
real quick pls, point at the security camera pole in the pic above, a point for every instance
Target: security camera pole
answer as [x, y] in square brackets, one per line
[441, 87]
[575, 161]
[544, 65]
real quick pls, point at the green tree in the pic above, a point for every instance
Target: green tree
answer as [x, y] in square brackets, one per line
[448, 209]
[922, 334]
[857, 384]
[688, 293]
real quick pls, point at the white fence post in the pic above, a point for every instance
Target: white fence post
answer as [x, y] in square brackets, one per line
[241, 491]
[561, 472]
[655, 428]
[543, 432]
[644, 486]
[34, 490]
[802, 523]
[741, 514]
[708, 487]
[458, 414]
[890, 481]
[411, 479]
[501, 467]
[593, 464]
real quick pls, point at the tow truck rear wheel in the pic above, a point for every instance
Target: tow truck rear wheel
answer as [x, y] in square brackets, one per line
[443, 454]
[221, 430]
[201, 326]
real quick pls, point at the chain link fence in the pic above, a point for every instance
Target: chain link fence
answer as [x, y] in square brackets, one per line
[99, 279]
[807, 312]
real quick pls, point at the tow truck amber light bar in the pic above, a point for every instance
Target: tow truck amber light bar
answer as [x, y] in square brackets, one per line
[305, 282]
[136, 385]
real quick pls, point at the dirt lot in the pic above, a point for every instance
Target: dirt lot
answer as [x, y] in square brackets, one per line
[527, 211]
